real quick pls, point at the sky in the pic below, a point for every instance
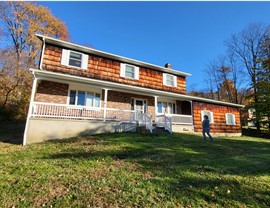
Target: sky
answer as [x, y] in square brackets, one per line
[188, 35]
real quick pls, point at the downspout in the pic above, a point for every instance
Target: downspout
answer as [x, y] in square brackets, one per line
[30, 108]
[42, 54]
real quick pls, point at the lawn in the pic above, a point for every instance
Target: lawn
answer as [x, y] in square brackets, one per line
[133, 170]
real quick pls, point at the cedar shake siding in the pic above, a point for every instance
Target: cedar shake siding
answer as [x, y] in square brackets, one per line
[219, 112]
[51, 92]
[109, 70]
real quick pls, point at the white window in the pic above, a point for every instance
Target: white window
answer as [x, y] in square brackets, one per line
[230, 119]
[129, 71]
[169, 80]
[74, 59]
[83, 98]
[166, 107]
[209, 114]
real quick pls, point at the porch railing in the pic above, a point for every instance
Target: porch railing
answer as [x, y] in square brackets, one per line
[168, 123]
[176, 119]
[51, 110]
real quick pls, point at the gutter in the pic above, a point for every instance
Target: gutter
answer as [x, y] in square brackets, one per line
[42, 53]
[48, 74]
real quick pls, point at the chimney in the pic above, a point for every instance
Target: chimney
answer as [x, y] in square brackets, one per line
[169, 66]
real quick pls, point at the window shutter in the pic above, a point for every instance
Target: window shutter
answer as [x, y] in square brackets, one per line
[137, 71]
[175, 81]
[84, 61]
[65, 57]
[122, 70]
[211, 117]
[164, 78]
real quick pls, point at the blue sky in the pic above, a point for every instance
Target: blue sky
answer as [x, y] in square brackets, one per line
[188, 35]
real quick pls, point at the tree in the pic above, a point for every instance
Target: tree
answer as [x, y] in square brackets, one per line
[248, 47]
[20, 49]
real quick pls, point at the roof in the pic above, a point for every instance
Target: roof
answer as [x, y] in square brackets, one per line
[54, 76]
[89, 50]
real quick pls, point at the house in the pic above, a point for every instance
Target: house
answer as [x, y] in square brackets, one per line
[79, 90]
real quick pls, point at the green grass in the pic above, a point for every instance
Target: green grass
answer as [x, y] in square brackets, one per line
[132, 170]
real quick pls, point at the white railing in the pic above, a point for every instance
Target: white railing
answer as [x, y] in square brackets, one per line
[176, 119]
[168, 123]
[51, 110]
[143, 119]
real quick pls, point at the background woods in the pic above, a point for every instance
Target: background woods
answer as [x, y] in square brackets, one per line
[242, 74]
[20, 50]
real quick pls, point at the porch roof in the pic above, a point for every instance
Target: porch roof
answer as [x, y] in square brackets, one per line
[66, 78]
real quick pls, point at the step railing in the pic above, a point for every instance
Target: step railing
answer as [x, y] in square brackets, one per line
[168, 123]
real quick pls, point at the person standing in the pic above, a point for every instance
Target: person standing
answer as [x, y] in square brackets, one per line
[206, 128]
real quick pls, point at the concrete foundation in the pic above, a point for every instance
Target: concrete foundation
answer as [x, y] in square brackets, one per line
[40, 130]
[182, 128]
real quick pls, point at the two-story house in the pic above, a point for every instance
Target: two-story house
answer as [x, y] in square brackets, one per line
[79, 90]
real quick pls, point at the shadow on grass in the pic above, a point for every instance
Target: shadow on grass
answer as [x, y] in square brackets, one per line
[185, 164]
[12, 132]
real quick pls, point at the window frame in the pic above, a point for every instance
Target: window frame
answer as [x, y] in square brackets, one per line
[211, 118]
[165, 75]
[123, 68]
[66, 58]
[233, 119]
[95, 100]
[164, 109]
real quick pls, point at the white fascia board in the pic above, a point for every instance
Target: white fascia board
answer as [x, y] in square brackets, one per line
[77, 47]
[42, 74]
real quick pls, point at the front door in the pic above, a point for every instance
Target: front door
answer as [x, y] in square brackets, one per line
[139, 105]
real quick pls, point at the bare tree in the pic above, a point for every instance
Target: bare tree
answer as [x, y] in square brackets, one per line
[248, 46]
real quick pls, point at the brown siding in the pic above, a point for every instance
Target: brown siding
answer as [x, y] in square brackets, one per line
[109, 70]
[219, 112]
[51, 92]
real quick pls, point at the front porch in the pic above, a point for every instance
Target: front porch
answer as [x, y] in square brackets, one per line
[69, 99]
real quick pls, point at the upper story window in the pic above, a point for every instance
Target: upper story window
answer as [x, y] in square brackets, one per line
[209, 114]
[129, 71]
[230, 119]
[74, 59]
[169, 80]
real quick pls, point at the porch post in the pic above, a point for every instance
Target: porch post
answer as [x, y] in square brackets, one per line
[105, 103]
[34, 88]
[156, 110]
[191, 106]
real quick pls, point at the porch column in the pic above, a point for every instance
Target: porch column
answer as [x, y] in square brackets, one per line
[105, 103]
[191, 108]
[156, 110]
[30, 109]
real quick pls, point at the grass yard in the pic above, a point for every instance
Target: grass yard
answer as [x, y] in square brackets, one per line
[132, 170]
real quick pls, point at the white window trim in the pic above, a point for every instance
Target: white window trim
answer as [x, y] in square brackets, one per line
[174, 80]
[85, 92]
[211, 113]
[143, 100]
[66, 56]
[123, 71]
[234, 123]
[167, 101]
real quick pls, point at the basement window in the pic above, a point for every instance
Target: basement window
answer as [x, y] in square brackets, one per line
[230, 119]
[209, 114]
